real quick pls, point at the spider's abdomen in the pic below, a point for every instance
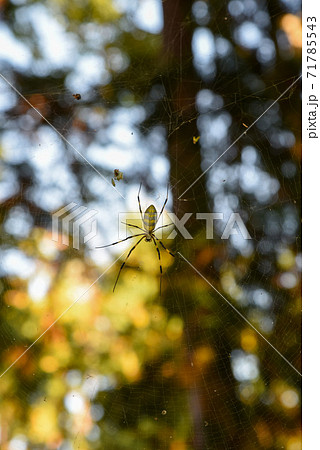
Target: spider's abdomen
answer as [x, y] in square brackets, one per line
[150, 218]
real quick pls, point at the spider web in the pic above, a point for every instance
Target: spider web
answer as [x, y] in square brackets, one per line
[214, 363]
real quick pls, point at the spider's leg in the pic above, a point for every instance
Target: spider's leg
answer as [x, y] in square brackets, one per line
[163, 226]
[140, 203]
[122, 240]
[123, 264]
[158, 251]
[135, 226]
[165, 202]
[168, 251]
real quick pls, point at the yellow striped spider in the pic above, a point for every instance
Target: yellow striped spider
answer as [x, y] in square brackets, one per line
[149, 222]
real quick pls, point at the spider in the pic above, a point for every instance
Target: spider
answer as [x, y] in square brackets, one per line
[149, 222]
